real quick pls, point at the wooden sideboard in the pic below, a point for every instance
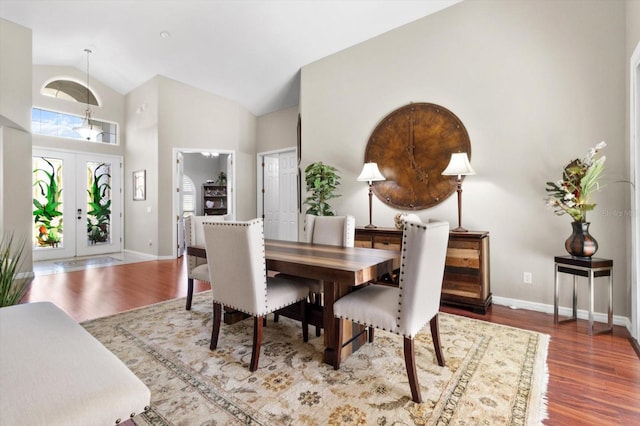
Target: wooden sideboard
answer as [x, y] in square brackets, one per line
[466, 273]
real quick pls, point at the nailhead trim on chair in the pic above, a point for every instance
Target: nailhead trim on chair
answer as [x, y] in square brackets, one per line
[400, 286]
[264, 264]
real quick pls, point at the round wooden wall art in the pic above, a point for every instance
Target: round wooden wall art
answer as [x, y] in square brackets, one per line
[412, 146]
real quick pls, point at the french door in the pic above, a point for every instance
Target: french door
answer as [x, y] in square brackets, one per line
[76, 204]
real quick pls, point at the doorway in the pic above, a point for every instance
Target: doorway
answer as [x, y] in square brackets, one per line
[77, 204]
[278, 193]
[195, 171]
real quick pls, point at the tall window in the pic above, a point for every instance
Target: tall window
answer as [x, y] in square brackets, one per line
[188, 196]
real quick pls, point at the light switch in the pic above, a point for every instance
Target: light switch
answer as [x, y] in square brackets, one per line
[149, 209]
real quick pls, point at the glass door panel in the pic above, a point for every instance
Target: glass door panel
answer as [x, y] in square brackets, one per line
[76, 204]
[98, 206]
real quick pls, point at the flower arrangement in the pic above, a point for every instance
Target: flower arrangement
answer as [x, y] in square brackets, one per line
[572, 193]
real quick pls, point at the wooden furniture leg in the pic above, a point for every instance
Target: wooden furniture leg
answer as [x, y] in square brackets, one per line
[257, 342]
[412, 374]
[435, 336]
[215, 332]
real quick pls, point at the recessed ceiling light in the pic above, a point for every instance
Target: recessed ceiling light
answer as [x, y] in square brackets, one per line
[165, 34]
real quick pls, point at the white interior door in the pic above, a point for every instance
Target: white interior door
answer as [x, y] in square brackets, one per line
[271, 197]
[288, 218]
[77, 201]
[278, 193]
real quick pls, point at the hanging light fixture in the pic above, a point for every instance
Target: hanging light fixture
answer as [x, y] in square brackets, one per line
[88, 130]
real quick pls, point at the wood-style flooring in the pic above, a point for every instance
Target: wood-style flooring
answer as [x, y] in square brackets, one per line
[593, 380]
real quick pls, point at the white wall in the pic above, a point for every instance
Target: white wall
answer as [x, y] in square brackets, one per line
[277, 130]
[181, 116]
[535, 84]
[15, 135]
[141, 232]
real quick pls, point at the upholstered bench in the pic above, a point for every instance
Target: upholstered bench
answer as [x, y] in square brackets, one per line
[53, 372]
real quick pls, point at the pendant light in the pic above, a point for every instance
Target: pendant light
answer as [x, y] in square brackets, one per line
[88, 130]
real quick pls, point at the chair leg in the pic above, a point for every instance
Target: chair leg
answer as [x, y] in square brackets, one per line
[276, 317]
[189, 293]
[305, 320]
[318, 302]
[339, 337]
[435, 336]
[412, 374]
[217, 316]
[257, 343]
[370, 330]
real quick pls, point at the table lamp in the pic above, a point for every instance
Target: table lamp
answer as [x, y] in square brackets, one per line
[370, 173]
[458, 166]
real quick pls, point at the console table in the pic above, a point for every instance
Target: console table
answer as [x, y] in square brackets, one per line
[466, 273]
[590, 268]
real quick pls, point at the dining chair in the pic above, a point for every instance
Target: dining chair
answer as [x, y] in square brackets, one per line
[197, 268]
[404, 310]
[236, 259]
[329, 230]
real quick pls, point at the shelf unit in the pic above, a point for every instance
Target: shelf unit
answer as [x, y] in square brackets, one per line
[214, 199]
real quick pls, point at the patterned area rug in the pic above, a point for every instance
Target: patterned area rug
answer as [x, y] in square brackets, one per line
[494, 375]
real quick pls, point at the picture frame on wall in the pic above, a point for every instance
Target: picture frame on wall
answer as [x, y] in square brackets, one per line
[139, 185]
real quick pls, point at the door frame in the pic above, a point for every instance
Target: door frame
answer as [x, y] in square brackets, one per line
[260, 182]
[177, 208]
[634, 177]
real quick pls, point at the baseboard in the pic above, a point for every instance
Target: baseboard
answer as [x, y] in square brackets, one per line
[25, 275]
[635, 346]
[562, 311]
[143, 255]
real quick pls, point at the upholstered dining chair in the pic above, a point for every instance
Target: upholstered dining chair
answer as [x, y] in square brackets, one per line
[329, 230]
[405, 309]
[236, 259]
[197, 268]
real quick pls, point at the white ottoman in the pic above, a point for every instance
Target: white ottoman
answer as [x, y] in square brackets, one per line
[53, 372]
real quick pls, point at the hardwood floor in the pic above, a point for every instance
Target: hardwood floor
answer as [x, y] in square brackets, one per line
[592, 380]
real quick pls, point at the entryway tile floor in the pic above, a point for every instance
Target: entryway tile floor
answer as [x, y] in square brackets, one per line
[57, 266]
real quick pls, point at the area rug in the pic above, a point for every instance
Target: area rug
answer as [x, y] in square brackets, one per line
[494, 375]
[91, 261]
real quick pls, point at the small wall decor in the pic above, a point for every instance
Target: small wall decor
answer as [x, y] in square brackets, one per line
[412, 146]
[139, 185]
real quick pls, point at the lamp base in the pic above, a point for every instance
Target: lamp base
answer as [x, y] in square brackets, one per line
[370, 226]
[459, 229]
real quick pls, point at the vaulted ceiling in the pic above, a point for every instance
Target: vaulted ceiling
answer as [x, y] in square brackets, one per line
[249, 51]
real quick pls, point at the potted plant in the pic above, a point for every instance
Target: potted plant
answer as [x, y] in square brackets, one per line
[322, 181]
[12, 288]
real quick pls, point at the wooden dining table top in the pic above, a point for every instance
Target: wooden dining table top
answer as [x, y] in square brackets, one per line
[344, 265]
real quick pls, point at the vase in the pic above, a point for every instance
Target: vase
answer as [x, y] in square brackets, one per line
[580, 243]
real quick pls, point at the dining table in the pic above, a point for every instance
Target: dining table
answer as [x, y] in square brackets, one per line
[341, 269]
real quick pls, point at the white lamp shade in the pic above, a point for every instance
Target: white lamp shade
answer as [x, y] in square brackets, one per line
[370, 173]
[459, 165]
[88, 132]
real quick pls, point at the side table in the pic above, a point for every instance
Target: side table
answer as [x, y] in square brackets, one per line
[591, 268]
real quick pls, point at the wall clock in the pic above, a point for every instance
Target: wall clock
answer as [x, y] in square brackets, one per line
[412, 146]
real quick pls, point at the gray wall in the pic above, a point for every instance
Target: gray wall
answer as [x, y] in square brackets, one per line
[535, 84]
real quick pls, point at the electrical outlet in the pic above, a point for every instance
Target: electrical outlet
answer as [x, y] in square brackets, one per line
[527, 278]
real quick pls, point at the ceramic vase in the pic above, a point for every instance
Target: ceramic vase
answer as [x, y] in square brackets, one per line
[580, 243]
